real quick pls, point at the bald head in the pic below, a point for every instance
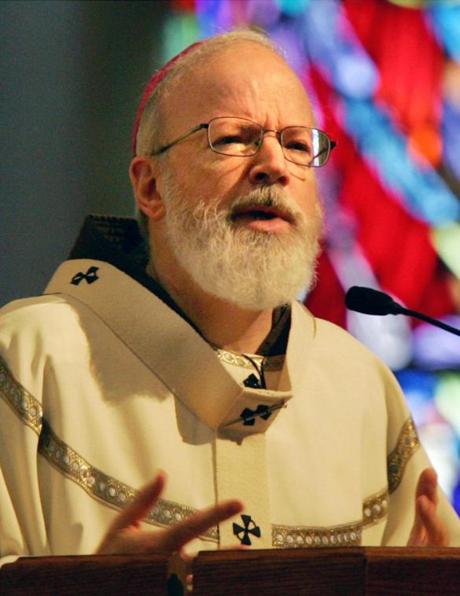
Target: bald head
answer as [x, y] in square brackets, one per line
[248, 80]
[199, 71]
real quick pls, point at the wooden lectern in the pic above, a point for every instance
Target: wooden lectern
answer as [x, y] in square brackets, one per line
[329, 571]
[291, 572]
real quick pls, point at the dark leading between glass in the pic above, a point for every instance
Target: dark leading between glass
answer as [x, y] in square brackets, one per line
[241, 137]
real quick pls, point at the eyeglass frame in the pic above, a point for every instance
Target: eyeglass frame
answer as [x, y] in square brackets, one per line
[278, 133]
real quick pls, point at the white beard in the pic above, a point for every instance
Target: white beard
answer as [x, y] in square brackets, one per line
[252, 269]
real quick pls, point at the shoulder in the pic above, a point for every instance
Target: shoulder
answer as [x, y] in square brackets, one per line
[38, 312]
[40, 336]
[334, 351]
[39, 325]
[343, 341]
[334, 339]
[32, 330]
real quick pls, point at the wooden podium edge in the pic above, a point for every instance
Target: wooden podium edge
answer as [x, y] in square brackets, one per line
[377, 571]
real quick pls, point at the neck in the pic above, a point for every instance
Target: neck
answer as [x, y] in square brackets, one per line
[222, 323]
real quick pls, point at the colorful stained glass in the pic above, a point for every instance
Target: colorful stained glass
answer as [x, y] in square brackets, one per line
[385, 77]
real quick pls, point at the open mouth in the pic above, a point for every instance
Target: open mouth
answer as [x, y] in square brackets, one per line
[260, 213]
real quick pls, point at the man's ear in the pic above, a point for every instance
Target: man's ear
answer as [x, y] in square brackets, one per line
[142, 173]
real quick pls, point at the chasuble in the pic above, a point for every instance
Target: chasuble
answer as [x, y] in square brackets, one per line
[103, 382]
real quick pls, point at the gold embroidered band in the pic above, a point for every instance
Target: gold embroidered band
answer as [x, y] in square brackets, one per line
[271, 363]
[166, 513]
[374, 511]
[117, 494]
[293, 537]
[20, 400]
[375, 508]
[105, 488]
[406, 446]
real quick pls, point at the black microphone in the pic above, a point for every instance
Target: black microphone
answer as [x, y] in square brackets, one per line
[373, 302]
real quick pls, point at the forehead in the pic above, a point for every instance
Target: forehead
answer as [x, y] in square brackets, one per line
[245, 79]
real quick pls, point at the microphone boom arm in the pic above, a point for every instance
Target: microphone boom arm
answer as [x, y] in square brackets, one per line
[419, 315]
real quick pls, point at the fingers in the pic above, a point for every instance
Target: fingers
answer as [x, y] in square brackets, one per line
[436, 533]
[141, 505]
[428, 528]
[427, 485]
[124, 536]
[130, 540]
[177, 536]
[418, 535]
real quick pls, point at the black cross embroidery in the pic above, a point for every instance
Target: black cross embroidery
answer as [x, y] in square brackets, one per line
[252, 381]
[249, 416]
[90, 276]
[249, 527]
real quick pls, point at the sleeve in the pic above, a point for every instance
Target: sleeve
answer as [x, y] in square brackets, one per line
[406, 459]
[22, 528]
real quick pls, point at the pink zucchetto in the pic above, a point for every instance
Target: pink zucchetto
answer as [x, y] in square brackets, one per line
[153, 83]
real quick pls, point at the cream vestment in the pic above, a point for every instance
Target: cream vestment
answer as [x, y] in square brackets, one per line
[102, 384]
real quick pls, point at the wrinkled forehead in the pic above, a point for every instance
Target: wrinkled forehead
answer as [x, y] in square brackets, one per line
[246, 80]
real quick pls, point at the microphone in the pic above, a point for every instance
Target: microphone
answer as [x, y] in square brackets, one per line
[373, 302]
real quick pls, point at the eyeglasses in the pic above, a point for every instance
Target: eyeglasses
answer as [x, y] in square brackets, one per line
[240, 137]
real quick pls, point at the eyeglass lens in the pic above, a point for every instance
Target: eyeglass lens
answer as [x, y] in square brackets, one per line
[240, 137]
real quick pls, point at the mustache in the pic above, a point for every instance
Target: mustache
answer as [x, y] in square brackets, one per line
[272, 198]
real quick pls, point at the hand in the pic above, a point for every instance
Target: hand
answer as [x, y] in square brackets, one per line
[125, 537]
[428, 528]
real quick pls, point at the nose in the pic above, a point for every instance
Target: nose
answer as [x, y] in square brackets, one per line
[269, 166]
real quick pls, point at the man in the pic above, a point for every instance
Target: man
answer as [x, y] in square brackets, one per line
[197, 366]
